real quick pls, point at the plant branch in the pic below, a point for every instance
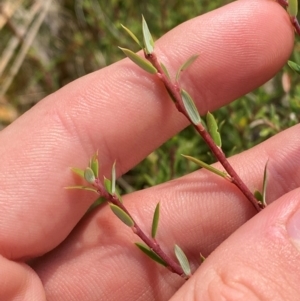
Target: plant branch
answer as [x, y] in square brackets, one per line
[172, 265]
[292, 9]
[174, 92]
[295, 24]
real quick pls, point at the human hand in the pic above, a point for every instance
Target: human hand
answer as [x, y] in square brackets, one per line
[120, 110]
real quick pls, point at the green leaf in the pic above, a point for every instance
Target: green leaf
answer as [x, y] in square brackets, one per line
[78, 171]
[183, 261]
[148, 41]
[221, 124]
[292, 8]
[202, 258]
[258, 196]
[190, 107]
[145, 249]
[141, 62]
[94, 165]
[113, 178]
[165, 70]
[212, 127]
[264, 190]
[82, 188]
[133, 36]
[89, 175]
[294, 66]
[155, 221]
[107, 185]
[186, 64]
[218, 172]
[122, 215]
[150, 180]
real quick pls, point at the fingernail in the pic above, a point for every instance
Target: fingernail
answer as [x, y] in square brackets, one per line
[293, 229]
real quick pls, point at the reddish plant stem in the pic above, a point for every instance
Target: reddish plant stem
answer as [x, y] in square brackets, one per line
[296, 25]
[223, 160]
[294, 19]
[172, 265]
[174, 92]
[283, 3]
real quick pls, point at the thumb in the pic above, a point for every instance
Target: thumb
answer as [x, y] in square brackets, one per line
[260, 261]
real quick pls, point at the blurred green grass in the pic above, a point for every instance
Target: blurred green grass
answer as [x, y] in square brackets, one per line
[79, 37]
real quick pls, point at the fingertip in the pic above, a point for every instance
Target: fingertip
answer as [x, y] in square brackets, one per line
[19, 282]
[259, 261]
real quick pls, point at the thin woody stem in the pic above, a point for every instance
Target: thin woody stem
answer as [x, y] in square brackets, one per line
[283, 3]
[295, 24]
[294, 20]
[174, 92]
[223, 160]
[172, 265]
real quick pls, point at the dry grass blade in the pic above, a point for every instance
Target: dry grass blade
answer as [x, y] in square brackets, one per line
[25, 47]
[7, 10]
[15, 41]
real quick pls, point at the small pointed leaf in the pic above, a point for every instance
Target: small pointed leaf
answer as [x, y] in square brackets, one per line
[94, 165]
[107, 185]
[264, 190]
[183, 261]
[145, 249]
[155, 221]
[212, 127]
[133, 36]
[89, 175]
[186, 64]
[82, 188]
[218, 172]
[141, 62]
[150, 180]
[258, 196]
[294, 66]
[78, 171]
[221, 124]
[202, 258]
[148, 41]
[166, 72]
[292, 8]
[190, 107]
[122, 215]
[113, 178]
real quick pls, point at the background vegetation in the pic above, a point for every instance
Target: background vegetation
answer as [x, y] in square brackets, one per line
[75, 37]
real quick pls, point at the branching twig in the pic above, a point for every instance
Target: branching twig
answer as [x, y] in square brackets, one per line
[174, 92]
[172, 265]
[210, 134]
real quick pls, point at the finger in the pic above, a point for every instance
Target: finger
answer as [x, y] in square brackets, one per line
[19, 282]
[198, 212]
[259, 262]
[118, 111]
